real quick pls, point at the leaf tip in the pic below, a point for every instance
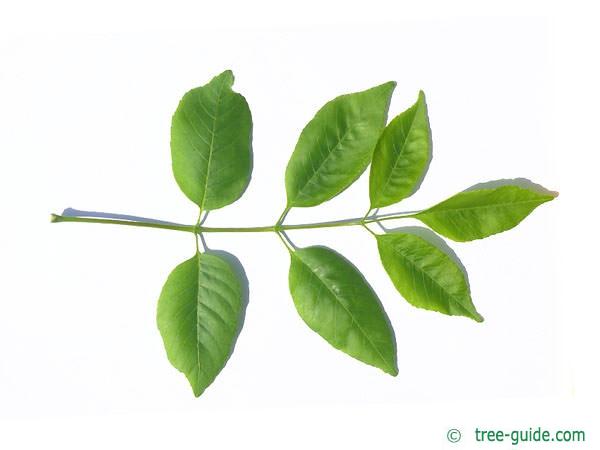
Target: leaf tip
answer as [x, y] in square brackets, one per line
[478, 317]
[388, 87]
[53, 218]
[197, 387]
[227, 77]
[422, 100]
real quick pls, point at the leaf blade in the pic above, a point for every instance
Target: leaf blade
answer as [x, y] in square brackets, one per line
[200, 312]
[401, 156]
[425, 275]
[335, 301]
[480, 213]
[336, 146]
[211, 134]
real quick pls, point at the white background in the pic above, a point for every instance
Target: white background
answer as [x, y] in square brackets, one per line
[86, 96]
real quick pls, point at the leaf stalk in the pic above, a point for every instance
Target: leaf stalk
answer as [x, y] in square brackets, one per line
[197, 229]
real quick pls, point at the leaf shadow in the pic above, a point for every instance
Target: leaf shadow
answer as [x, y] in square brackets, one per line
[203, 219]
[288, 239]
[238, 269]
[436, 241]
[520, 182]
[71, 212]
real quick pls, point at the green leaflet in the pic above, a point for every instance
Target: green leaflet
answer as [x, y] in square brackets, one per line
[401, 156]
[202, 304]
[426, 276]
[480, 213]
[336, 146]
[335, 301]
[200, 312]
[211, 138]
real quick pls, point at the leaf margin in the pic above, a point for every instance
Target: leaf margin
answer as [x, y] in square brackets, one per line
[427, 216]
[385, 90]
[183, 170]
[389, 366]
[399, 279]
[419, 112]
[166, 322]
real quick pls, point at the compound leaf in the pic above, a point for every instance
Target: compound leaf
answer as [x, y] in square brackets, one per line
[479, 213]
[211, 138]
[335, 301]
[336, 146]
[401, 156]
[425, 275]
[200, 312]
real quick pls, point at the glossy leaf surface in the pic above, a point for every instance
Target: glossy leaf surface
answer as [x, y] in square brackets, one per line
[425, 275]
[336, 146]
[200, 312]
[401, 156]
[211, 135]
[479, 213]
[335, 301]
